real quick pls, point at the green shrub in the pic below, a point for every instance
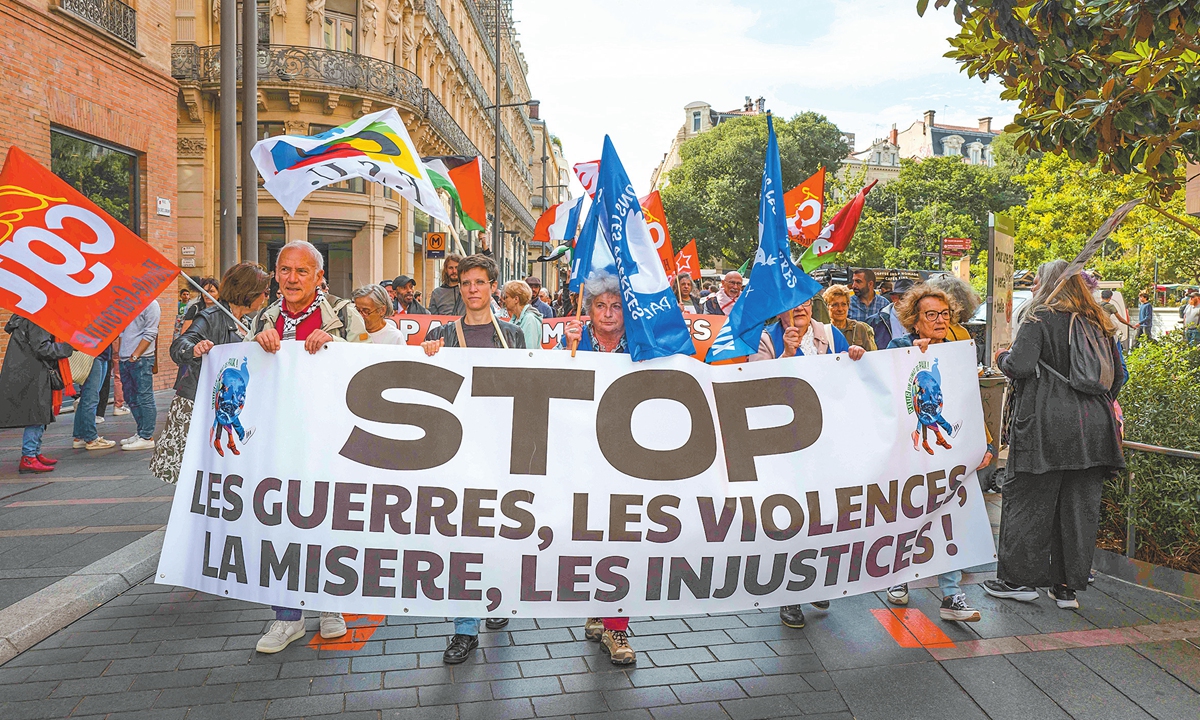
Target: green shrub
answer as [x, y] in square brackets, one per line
[1161, 403]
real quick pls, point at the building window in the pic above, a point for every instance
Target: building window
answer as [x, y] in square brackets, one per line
[696, 121]
[105, 174]
[341, 21]
[975, 152]
[356, 185]
[952, 145]
[264, 22]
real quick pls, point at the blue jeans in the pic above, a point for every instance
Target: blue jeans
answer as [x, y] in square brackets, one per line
[31, 441]
[466, 626]
[1192, 333]
[287, 614]
[89, 398]
[137, 380]
[949, 583]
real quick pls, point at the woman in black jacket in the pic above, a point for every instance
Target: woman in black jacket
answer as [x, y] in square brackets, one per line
[243, 292]
[1063, 445]
[25, 393]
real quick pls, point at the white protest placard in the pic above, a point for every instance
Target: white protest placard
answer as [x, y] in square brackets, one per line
[372, 479]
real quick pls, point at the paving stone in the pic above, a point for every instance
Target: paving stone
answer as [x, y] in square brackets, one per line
[443, 629]
[305, 706]
[351, 682]
[187, 696]
[852, 638]
[579, 648]
[813, 703]
[699, 711]
[1178, 657]
[453, 693]
[242, 673]
[516, 652]
[195, 645]
[69, 671]
[1001, 690]
[703, 638]
[137, 666]
[526, 687]
[381, 699]
[1143, 682]
[213, 659]
[658, 627]
[709, 691]
[585, 682]
[379, 663]
[662, 676]
[437, 712]
[726, 670]
[28, 691]
[42, 654]
[31, 709]
[570, 704]
[11, 675]
[683, 656]
[759, 619]
[417, 678]
[788, 664]
[924, 690]
[101, 704]
[313, 668]
[172, 679]
[253, 710]
[117, 652]
[742, 651]
[1159, 607]
[774, 685]
[646, 697]
[270, 689]
[91, 686]
[651, 642]
[155, 714]
[714, 622]
[818, 681]
[562, 666]
[759, 708]
[477, 671]
[791, 646]
[437, 659]
[635, 714]
[1075, 687]
[602, 663]
[530, 637]
[496, 710]
[544, 623]
[417, 645]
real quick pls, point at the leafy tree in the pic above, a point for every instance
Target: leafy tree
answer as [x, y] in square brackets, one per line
[713, 195]
[1115, 82]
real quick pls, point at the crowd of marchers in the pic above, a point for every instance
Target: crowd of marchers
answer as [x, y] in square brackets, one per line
[1062, 432]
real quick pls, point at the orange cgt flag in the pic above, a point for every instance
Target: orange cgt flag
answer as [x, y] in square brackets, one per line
[804, 206]
[688, 260]
[656, 220]
[66, 264]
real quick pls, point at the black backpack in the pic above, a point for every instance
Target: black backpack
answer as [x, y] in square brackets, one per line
[1092, 367]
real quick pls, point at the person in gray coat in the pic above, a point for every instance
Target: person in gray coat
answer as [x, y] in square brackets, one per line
[25, 391]
[1063, 445]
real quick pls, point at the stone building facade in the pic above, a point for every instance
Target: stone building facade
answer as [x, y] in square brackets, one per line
[88, 92]
[698, 117]
[926, 138]
[322, 63]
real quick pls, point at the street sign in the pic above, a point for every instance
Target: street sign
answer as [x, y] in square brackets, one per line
[956, 246]
[435, 245]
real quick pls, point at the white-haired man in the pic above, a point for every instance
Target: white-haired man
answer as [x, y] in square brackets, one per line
[727, 294]
[307, 314]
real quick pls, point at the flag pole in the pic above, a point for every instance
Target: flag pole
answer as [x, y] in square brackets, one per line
[245, 330]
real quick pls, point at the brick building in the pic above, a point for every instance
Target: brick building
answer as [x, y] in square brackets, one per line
[88, 92]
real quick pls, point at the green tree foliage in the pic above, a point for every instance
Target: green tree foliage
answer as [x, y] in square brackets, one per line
[1109, 82]
[714, 193]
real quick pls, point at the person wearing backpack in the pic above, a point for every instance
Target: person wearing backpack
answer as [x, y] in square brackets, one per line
[1064, 440]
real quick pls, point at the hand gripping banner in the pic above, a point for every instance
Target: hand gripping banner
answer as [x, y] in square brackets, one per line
[534, 484]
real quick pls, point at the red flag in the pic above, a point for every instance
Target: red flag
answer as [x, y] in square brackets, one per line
[804, 206]
[835, 236]
[688, 261]
[66, 264]
[588, 173]
[656, 220]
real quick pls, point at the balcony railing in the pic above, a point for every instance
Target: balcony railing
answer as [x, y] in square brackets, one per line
[294, 63]
[111, 15]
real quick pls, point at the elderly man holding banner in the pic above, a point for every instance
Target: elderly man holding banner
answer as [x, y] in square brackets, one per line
[306, 314]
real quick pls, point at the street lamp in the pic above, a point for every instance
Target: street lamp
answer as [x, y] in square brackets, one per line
[533, 106]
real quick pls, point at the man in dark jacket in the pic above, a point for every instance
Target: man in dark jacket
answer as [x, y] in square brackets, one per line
[25, 393]
[477, 328]
[404, 290]
[445, 299]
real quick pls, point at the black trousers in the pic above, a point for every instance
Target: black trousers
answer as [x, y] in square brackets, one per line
[1048, 527]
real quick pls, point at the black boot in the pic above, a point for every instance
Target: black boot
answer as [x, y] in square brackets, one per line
[461, 648]
[495, 623]
[792, 616]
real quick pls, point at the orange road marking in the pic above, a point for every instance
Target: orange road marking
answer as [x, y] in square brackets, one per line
[895, 628]
[922, 628]
[359, 628]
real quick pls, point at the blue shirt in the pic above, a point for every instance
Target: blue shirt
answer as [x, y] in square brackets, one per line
[860, 311]
[143, 327]
[1146, 315]
[542, 307]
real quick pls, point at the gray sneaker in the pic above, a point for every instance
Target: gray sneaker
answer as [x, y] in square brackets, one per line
[281, 634]
[1007, 591]
[956, 609]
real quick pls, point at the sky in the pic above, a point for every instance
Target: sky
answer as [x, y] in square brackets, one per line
[627, 68]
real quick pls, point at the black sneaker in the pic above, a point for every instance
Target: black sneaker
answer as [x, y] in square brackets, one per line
[1008, 591]
[792, 616]
[956, 609]
[461, 648]
[822, 605]
[495, 623]
[1064, 596]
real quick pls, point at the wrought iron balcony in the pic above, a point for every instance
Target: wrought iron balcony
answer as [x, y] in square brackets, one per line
[111, 15]
[295, 63]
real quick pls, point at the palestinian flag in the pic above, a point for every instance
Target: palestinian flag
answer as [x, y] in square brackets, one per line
[462, 178]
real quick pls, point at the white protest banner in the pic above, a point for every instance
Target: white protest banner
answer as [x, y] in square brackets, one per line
[371, 479]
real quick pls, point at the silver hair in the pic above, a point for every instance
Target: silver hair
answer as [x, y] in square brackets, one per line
[597, 285]
[377, 295]
[1048, 275]
[307, 247]
[968, 300]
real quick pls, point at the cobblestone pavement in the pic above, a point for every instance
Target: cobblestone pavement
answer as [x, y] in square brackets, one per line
[161, 652]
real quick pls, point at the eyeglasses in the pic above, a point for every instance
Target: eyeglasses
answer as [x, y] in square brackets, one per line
[932, 315]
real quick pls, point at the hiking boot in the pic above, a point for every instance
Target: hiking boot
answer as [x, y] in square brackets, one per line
[33, 465]
[616, 642]
[461, 647]
[791, 616]
[1008, 591]
[100, 444]
[495, 623]
[47, 460]
[333, 625]
[898, 594]
[1064, 596]
[956, 608]
[821, 605]
[281, 634]
[593, 628]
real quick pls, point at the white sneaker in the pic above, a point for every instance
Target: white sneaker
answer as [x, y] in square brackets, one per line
[99, 419]
[100, 444]
[77, 444]
[333, 625]
[281, 634]
[139, 444]
[120, 410]
[129, 439]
